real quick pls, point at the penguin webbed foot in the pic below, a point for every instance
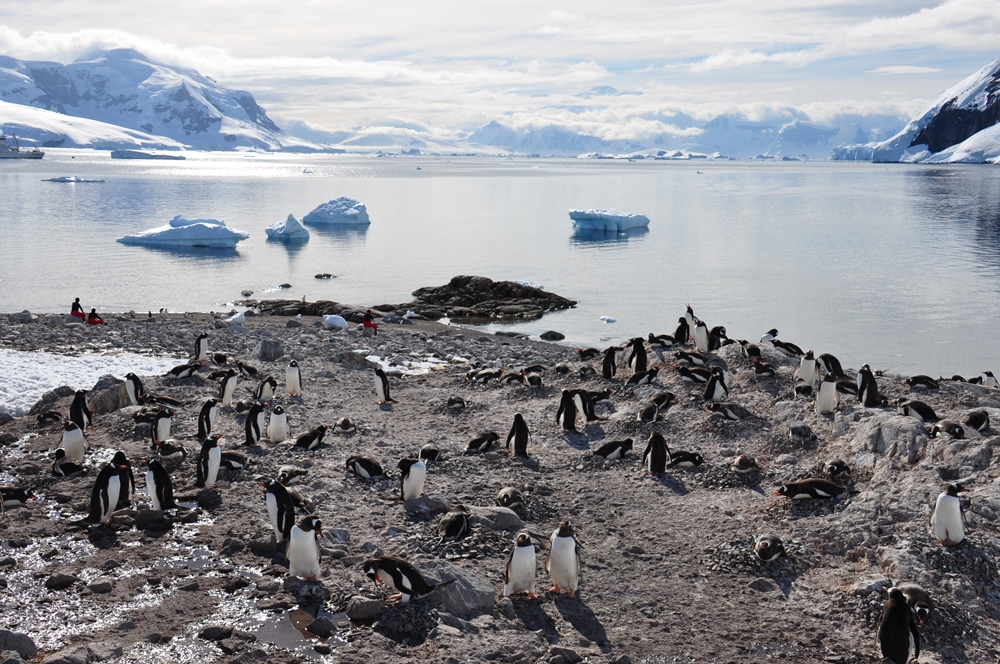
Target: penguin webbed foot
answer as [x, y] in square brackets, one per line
[394, 599]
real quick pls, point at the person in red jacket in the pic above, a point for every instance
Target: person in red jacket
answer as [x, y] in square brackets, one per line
[93, 318]
[77, 310]
[369, 322]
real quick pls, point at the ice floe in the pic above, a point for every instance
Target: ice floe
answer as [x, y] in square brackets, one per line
[342, 211]
[181, 232]
[71, 178]
[289, 230]
[607, 220]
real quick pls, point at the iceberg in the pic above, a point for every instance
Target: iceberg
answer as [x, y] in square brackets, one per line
[341, 211]
[335, 322]
[181, 232]
[71, 178]
[607, 220]
[289, 230]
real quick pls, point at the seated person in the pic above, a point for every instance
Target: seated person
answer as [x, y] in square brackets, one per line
[93, 318]
[369, 321]
[77, 309]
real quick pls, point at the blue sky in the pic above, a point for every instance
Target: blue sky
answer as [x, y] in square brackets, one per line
[442, 65]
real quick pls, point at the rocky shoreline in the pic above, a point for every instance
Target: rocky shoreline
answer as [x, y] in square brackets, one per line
[667, 576]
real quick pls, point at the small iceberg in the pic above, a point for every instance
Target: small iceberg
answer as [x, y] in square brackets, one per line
[341, 211]
[609, 319]
[71, 178]
[335, 322]
[289, 230]
[181, 232]
[607, 220]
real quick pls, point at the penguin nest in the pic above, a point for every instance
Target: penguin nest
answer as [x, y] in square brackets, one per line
[723, 478]
[737, 557]
[412, 621]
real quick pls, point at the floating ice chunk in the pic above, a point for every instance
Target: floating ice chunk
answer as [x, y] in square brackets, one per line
[71, 178]
[181, 232]
[609, 319]
[289, 230]
[342, 211]
[335, 322]
[607, 220]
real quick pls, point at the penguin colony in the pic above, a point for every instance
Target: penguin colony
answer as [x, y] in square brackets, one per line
[299, 531]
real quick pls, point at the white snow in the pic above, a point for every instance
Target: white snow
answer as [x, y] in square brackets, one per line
[607, 220]
[71, 178]
[27, 376]
[525, 282]
[289, 230]
[335, 322]
[342, 211]
[181, 232]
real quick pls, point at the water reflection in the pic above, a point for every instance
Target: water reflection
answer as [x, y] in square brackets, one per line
[197, 253]
[346, 236]
[587, 238]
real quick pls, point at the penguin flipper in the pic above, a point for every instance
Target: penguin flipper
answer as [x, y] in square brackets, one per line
[915, 633]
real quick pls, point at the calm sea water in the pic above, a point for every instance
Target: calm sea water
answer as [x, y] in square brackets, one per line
[894, 265]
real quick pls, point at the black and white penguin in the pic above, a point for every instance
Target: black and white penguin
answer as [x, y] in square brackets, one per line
[763, 368]
[401, 576]
[254, 425]
[293, 379]
[184, 370]
[660, 342]
[989, 380]
[532, 379]
[847, 386]
[655, 456]
[716, 388]
[13, 496]
[609, 367]
[814, 487]
[287, 474]
[208, 463]
[265, 389]
[220, 359]
[867, 388]
[635, 355]
[563, 561]
[696, 375]
[896, 626]
[104, 496]
[836, 468]
[134, 389]
[246, 370]
[201, 348]
[717, 338]
[643, 377]
[49, 417]
[365, 466]
[160, 429]
[917, 409]
[921, 381]
[807, 369]
[615, 449]
[510, 498]
[413, 472]
[827, 397]
[227, 387]
[769, 336]
[429, 452]
[650, 412]
[744, 465]
[566, 414]
[455, 404]
[63, 466]
[684, 459]
[233, 460]
[977, 419]
[454, 525]
[159, 487]
[587, 353]
[280, 510]
[831, 364]
[786, 348]
[701, 341]
[950, 427]
[126, 480]
[312, 439]
[683, 332]
[750, 350]
[168, 449]
[481, 442]
[79, 411]
[206, 418]
[919, 600]
[277, 425]
[693, 358]
[948, 518]
[486, 375]
[729, 410]
[768, 548]
[382, 387]
[519, 575]
[520, 435]
[303, 549]
[512, 377]
[73, 442]
[345, 425]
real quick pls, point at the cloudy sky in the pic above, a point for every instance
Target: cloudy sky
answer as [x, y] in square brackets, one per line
[441, 64]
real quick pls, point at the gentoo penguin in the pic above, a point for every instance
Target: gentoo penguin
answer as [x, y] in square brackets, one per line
[455, 404]
[662, 399]
[950, 427]
[948, 519]
[921, 381]
[510, 498]
[280, 510]
[288, 474]
[895, 627]
[655, 456]
[49, 417]
[265, 389]
[786, 348]
[303, 549]
[769, 336]
[584, 403]
[429, 452]
[847, 386]
[413, 472]
[382, 387]
[689, 316]
[254, 424]
[208, 462]
[481, 442]
[183, 370]
[768, 548]
[345, 425]
[12, 496]
[867, 388]
[512, 377]
[744, 465]
[660, 342]
[807, 369]
[311, 439]
[104, 497]
[73, 442]
[293, 379]
[763, 368]
[683, 331]
[989, 380]
[701, 337]
[729, 410]
[160, 430]
[63, 466]
[695, 375]
[227, 387]
[364, 466]
[614, 449]
[246, 370]
[717, 338]
[401, 576]
[566, 414]
[563, 561]
[520, 435]
[683, 459]
[206, 418]
[750, 350]
[126, 480]
[486, 375]
[233, 460]
[277, 425]
[519, 576]
[532, 379]
[827, 397]
[649, 413]
[220, 359]
[831, 364]
[454, 525]
[919, 600]
[159, 487]
[79, 411]
[201, 348]
[635, 355]
[166, 449]
[587, 353]
[134, 389]
[917, 409]
[814, 487]
[977, 419]
[643, 377]
[716, 388]
[835, 468]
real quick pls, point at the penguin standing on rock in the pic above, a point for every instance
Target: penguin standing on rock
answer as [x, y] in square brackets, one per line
[701, 341]
[716, 388]
[520, 435]
[293, 379]
[411, 480]
[134, 389]
[160, 429]
[382, 387]
[201, 348]
[610, 367]
[126, 480]
[227, 387]
[73, 442]
[867, 388]
[807, 369]
[948, 519]
[159, 487]
[895, 627]
[254, 424]
[401, 576]
[566, 414]
[827, 397]
[683, 332]
[635, 355]
[655, 457]
[280, 510]
[104, 496]
[563, 561]
[277, 425]
[831, 364]
[206, 418]
[519, 576]
[79, 410]
[265, 389]
[303, 549]
[208, 463]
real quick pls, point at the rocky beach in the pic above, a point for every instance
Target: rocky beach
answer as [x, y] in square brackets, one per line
[667, 573]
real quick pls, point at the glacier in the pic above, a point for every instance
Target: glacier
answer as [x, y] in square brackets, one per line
[607, 220]
[289, 230]
[341, 211]
[181, 232]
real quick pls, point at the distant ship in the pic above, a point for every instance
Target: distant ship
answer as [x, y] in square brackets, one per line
[138, 154]
[8, 151]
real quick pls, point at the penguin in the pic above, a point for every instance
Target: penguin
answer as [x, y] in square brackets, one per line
[660, 342]
[312, 439]
[695, 375]
[454, 525]
[615, 449]
[847, 386]
[895, 628]
[486, 375]
[769, 336]
[345, 425]
[977, 419]
[768, 548]
[814, 487]
[917, 409]
[827, 398]
[716, 388]
[233, 460]
[265, 389]
[566, 414]
[587, 353]
[303, 549]
[364, 466]
[867, 388]
[563, 561]
[919, 600]
[206, 418]
[717, 338]
[411, 480]
[701, 337]
[166, 449]
[126, 480]
[12, 496]
[160, 430]
[293, 379]
[277, 425]
[649, 413]
[208, 463]
[429, 452]
[246, 370]
[683, 459]
[79, 411]
[159, 487]
[655, 457]
[786, 348]
[807, 369]
[104, 496]
[532, 379]
[835, 468]
[73, 442]
[585, 403]
[63, 466]
[481, 442]
[220, 359]
[750, 350]
[455, 404]
[146, 414]
[729, 410]
[288, 474]
[744, 465]
[280, 510]
[134, 389]
[663, 400]
[989, 380]
[635, 355]
[49, 417]
[201, 348]
[643, 377]
[227, 387]
[401, 576]
[921, 381]
[763, 368]
[689, 316]
[254, 424]
[519, 575]
[382, 387]
[183, 370]
[511, 378]
[520, 435]
[831, 365]
[693, 358]
[510, 498]
[683, 331]
[950, 427]
[948, 519]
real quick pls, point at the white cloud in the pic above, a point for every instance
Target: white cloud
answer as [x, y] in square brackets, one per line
[892, 70]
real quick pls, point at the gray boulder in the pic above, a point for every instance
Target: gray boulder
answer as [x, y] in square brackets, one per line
[893, 435]
[427, 506]
[496, 518]
[468, 596]
[74, 655]
[268, 350]
[21, 643]
[361, 609]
